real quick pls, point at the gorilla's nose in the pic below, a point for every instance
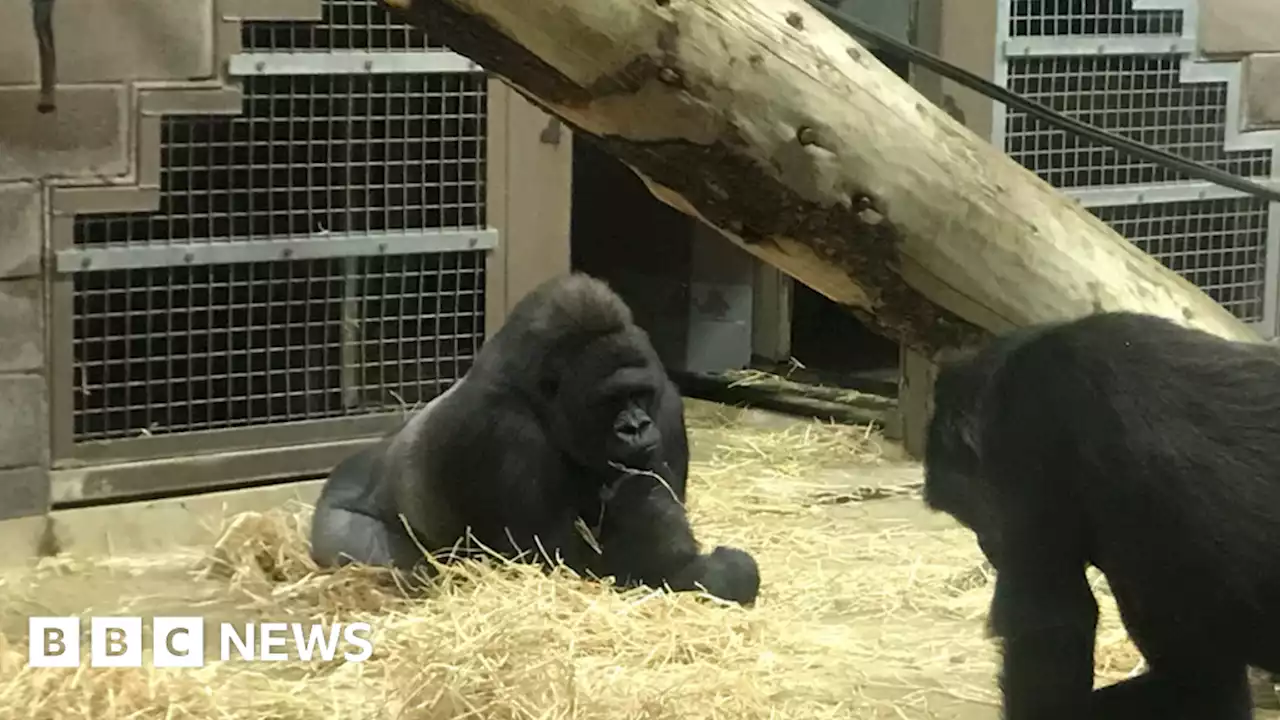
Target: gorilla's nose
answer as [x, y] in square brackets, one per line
[636, 428]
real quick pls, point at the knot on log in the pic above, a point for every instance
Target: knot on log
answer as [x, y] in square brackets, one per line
[867, 211]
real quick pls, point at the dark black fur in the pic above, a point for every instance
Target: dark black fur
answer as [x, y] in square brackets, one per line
[567, 412]
[1149, 451]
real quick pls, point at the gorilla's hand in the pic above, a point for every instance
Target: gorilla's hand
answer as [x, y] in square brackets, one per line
[727, 573]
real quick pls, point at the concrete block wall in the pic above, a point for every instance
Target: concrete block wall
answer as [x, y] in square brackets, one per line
[1248, 29]
[121, 65]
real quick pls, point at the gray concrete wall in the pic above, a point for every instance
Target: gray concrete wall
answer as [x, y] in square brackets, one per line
[1248, 29]
[120, 66]
[1239, 27]
[1262, 88]
[721, 301]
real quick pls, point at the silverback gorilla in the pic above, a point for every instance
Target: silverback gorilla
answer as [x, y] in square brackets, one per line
[1143, 448]
[567, 412]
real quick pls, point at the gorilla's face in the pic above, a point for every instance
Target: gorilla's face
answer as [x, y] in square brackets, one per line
[952, 484]
[953, 468]
[605, 404]
[633, 435]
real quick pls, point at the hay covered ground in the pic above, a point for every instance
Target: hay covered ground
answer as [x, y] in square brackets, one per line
[872, 607]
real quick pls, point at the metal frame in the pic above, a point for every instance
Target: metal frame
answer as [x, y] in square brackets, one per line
[495, 271]
[210, 458]
[1193, 68]
[182, 473]
[349, 63]
[1085, 45]
[335, 245]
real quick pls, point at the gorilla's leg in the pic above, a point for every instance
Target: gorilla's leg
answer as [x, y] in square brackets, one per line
[1199, 692]
[348, 525]
[645, 538]
[340, 537]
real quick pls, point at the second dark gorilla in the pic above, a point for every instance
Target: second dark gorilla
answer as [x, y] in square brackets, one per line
[567, 412]
[1148, 450]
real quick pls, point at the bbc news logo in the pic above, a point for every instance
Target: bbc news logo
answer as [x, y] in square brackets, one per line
[179, 641]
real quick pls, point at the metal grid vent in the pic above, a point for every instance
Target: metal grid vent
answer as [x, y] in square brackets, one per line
[180, 349]
[1219, 245]
[1057, 18]
[1133, 95]
[314, 154]
[360, 25]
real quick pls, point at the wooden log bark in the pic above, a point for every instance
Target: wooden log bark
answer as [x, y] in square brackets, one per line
[769, 123]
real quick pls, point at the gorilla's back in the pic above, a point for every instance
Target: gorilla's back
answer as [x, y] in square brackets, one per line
[412, 489]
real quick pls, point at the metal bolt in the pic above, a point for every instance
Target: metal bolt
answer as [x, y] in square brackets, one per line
[669, 76]
[260, 66]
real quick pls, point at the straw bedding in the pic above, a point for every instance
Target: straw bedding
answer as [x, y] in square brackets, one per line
[871, 607]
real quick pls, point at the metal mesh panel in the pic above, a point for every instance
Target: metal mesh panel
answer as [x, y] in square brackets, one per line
[362, 25]
[315, 154]
[1136, 96]
[194, 348]
[1038, 18]
[1219, 245]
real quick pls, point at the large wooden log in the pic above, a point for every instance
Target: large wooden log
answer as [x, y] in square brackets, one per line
[769, 123]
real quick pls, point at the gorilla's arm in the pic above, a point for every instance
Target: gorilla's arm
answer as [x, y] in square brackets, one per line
[1046, 621]
[497, 469]
[675, 439]
[645, 538]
